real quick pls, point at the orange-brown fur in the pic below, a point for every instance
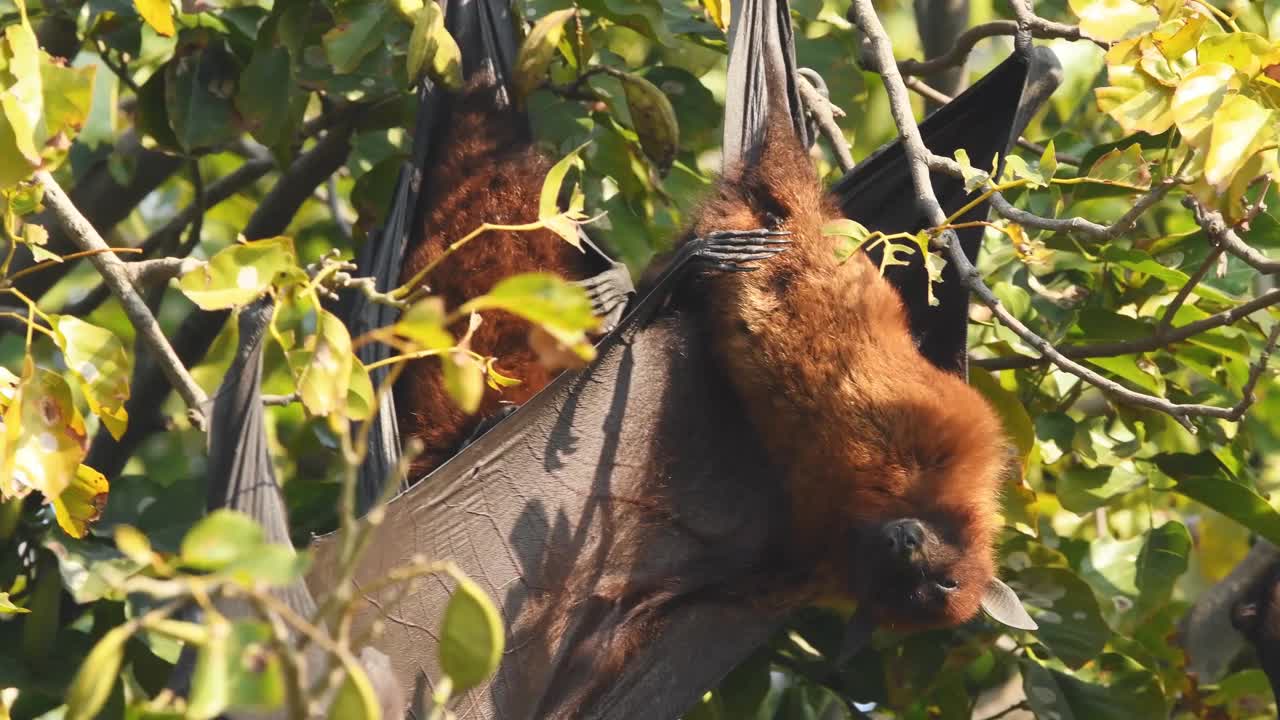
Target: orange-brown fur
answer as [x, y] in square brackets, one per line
[488, 171]
[864, 428]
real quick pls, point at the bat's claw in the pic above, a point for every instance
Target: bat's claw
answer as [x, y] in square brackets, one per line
[608, 292]
[730, 250]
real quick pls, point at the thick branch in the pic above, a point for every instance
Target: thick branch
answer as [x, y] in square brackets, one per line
[1224, 236]
[112, 269]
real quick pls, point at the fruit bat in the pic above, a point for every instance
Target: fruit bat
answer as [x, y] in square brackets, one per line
[622, 517]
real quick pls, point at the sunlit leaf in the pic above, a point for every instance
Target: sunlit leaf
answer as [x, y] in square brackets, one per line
[134, 545]
[431, 42]
[242, 669]
[1241, 127]
[158, 14]
[1125, 168]
[239, 274]
[1199, 96]
[973, 178]
[359, 28]
[1241, 50]
[538, 49]
[1013, 415]
[211, 681]
[98, 359]
[471, 637]
[851, 237]
[1064, 607]
[1122, 689]
[559, 307]
[44, 435]
[356, 698]
[1112, 20]
[8, 608]
[322, 365]
[463, 380]
[221, 538]
[81, 503]
[1135, 100]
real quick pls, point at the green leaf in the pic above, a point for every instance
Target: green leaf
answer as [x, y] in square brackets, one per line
[158, 14]
[210, 681]
[271, 565]
[538, 49]
[431, 41]
[1048, 161]
[973, 177]
[239, 274]
[1243, 51]
[1164, 558]
[472, 636]
[1236, 501]
[359, 28]
[98, 359]
[1198, 98]
[463, 380]
[1013, 414]
[1131, 368]
[97, 675]
[134, 545]
[152, 115]
[654, 121]
[1064, 607]
[356, 698]
[321, 366]
[262, 99]
[1112, 20]
[559, 307]
[220, 539]
[423, 323]
[1241, 128]
[852, 237]
[548, 197]
[1083, 490]
[362, 400]
[68, 98]
[1126, 691]
[198, 89]
[1125, 168]
[237, 669]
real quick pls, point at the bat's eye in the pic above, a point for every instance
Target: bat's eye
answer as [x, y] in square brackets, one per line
[948, 585]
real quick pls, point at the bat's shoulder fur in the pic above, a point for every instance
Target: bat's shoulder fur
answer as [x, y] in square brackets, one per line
[863, 427]
[486, 170]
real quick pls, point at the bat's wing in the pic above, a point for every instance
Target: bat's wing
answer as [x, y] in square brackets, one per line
[985, 120]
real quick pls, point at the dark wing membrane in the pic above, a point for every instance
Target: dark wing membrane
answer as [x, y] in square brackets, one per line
[761, 78]
[984, 120]
[610, 518]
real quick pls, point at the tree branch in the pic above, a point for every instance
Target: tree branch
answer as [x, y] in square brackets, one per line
[1224, 236]
[198, 331]
[965, 42]
[112, 269]
[919, 160]
[824, 113]
[1141, 345]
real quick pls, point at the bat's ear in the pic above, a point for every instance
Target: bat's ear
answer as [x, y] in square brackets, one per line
[1002, 604]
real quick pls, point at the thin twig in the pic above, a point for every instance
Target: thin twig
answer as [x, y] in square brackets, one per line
[925, 90]
[965, 42]
[1156, 341]
[823, 112]
[1166, 319]
[200, 205]
[112, 270]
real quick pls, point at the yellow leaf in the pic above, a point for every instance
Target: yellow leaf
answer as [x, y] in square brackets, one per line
[81, 504]
[158, 14]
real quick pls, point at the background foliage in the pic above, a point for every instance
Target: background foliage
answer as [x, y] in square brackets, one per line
[177, 128]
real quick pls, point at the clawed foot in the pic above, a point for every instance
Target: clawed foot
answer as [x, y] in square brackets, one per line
[731, 250]
[608, 292]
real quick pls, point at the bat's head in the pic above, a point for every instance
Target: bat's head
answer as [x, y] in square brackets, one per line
[931, 571]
